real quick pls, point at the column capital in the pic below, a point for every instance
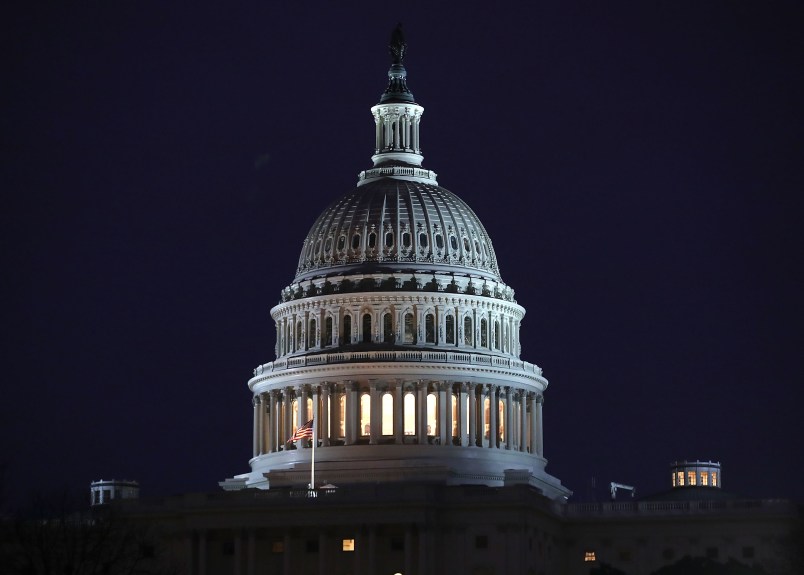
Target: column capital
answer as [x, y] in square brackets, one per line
[255, 401]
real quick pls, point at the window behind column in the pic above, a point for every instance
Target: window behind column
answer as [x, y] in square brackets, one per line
[365, 414]
[387, 414]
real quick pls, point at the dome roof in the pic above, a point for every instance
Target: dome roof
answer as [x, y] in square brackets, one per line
[398, 225]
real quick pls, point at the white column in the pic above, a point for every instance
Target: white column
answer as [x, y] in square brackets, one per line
[462, 415]
[509, 411]
[287, 400]
[539, 430]
[325, 410]
[255, 401]
[375, 411]
[399, 412]
[335, 412]
[267, 416]
[421, 411]
[523, 420]
[493, 425]
[443, 413]
[352, 406]
[472, 415]
[276, 419]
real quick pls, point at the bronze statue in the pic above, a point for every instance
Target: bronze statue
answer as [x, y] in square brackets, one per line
[397, 46]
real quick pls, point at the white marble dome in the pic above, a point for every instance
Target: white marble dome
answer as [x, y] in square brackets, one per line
[397, 342]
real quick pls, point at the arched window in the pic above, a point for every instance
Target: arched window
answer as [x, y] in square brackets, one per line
[342, 416]
[439, 240]
[341, 243]
[387, 414]
[406, 240]
[453, 243]
[410, 414]
[486, 417]
[466, 247]
[409, 329]
[468, 332]
[294, 415]
[450, 335]
[355, 241]
[365, 414]
[328, 245]
[429, 328]
[483, 333]
[311, 334]
[456, 410]
[496, 335]
[389, 239]
[501, 420]
[366, 328]
[387, 328]
[432, 414]
[347, 329]
[327, 332]
[423, 239]
[288, 338]
[372, 240]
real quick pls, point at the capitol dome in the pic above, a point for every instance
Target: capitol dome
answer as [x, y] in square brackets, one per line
[398, 225]
[397, 342]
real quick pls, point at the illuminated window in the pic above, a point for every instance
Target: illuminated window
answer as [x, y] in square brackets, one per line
[501, 423]
[714, 479]
[348, 545]
[680, 475]
[342, 416]
[704, 478]
[365, 414]
[673, 475]
[410, 414]
[589, 556]
[432, 418]
[455, 411]
[387, 414]
[690, 478]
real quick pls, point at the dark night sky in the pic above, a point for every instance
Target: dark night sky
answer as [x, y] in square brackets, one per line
[637, 165]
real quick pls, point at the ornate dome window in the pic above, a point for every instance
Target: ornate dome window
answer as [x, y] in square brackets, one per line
[450, 331]
[372, 240]
[389, 239]
[341, 243]
[429, 328]
[468, 332]
[408, 336]
[406, 240]
[356, 241]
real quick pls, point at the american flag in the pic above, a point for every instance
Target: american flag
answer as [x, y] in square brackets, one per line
[303, 432]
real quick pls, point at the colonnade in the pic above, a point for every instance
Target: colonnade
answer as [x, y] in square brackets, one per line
[463, 328]
[423, 412]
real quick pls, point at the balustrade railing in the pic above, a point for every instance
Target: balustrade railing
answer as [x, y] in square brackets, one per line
[400, 356]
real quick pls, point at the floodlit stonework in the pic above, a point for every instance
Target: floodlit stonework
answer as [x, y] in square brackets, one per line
[399, 338]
